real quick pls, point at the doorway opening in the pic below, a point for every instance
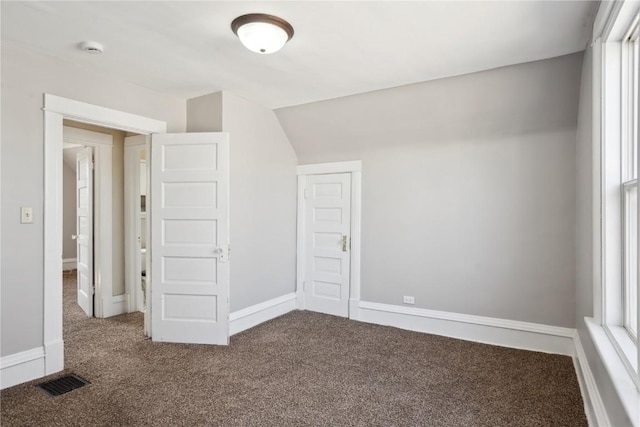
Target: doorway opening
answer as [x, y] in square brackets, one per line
[94, 244]
[56, 110]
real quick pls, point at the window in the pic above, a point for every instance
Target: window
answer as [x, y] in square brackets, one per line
[617, 55]
[629, 139]
[616, 88]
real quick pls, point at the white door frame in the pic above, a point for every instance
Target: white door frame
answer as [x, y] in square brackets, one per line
[102, 195]
[132, 255]
[355, 169]
[56, 109]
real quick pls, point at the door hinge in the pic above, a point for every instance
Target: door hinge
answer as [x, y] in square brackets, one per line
[93, 289]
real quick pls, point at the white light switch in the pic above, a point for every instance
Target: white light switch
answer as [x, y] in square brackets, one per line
[26, 215]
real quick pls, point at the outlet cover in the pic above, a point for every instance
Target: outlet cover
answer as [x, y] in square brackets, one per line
[408, 300]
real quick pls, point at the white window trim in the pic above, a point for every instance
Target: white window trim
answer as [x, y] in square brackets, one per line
[618, 351]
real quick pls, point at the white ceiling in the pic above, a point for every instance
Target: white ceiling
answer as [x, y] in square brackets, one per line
[339, 48]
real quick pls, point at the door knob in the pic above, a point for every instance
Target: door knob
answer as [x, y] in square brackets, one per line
[344, 243]
[74, 236]
[221, 253]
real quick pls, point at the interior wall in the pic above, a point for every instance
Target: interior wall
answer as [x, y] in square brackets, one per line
[262, 195]
[25, 76]
[468, 188]
[69, 212]
[117, 200]
[263, 203]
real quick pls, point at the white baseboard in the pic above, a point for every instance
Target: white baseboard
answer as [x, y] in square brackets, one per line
[488, 330]
[116, 305]
[69, 264]
[54, 357]
[249, 317]
[22, 367]
[593, 404]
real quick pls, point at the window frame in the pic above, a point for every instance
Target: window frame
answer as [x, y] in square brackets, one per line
[618, 168]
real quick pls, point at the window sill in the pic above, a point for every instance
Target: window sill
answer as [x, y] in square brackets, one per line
[619, 374]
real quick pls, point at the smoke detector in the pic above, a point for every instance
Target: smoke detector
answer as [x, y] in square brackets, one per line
[93, 48]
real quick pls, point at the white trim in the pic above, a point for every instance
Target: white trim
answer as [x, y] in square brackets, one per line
[249, 317]
[502, 332]
[612, 22]
[116, 305]
[21, 367]
[54, 356]
[356, 242]
[69, 264]
[593, 404]
[93, 114]
[605, 17]
[52, 231]
[55, 110]
[300, 271]
[623, 383]
[83, 137]
[133, 147]
[355, 168]
[323, 168]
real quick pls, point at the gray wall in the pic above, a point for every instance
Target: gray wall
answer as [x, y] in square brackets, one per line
[26, 76]
[468, 187]
[69, 212]
[263, 195]
[585, 244]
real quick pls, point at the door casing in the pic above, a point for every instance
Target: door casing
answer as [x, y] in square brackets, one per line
[355, 169]
[133, 147]
[56, 109]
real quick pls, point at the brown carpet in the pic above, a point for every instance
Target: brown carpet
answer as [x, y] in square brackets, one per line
[300, 369]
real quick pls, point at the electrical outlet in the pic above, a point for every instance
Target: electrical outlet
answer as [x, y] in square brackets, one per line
[26, 215]
[408, 300]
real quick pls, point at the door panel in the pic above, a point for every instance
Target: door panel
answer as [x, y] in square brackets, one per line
[84, 228]
[190, 238]
[327, 233]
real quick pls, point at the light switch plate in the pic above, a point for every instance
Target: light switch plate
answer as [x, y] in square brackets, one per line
[26, 215]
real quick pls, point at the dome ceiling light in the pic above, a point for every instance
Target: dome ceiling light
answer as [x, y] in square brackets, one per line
[262, 33]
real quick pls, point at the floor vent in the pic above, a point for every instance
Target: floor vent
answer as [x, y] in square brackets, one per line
[62, 385]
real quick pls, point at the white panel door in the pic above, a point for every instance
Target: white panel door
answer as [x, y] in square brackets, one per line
[190, 238]
[327, 243]
[84, 228]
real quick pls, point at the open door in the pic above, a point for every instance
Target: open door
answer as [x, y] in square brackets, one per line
[190, 238]
[84, 227]
[136, 225]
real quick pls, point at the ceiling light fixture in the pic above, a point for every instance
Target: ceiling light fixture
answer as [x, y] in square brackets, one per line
[262, 33]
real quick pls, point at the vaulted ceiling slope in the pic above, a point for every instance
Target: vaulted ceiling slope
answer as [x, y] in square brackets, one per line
[339, 48]
[531, 98]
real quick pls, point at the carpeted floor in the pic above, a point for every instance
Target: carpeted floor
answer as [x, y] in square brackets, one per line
[300, 369]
